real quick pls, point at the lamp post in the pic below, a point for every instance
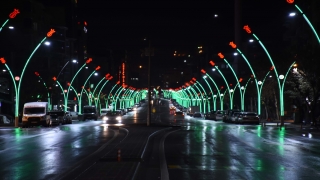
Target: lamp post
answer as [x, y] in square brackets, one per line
[110, 93]
[203, 98]
[248, 30]
[12, 15]
[283, 80]
[306, 18]
[231, 68]
[45, 85]
[149, 83]
[225, 80]
[84, 85]
[243, 89]
[89, 60]
[197, 98]
[207, 98]
[17, 87]
[207, 75]
[94, 90]
[98, 100]
[234, 46]
[108, 78]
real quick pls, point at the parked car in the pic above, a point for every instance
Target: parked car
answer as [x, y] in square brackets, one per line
[197, 115]
[178, 115]
[234, 117]
[207, 115]
[248, 117]
[124, 111]
[228, 114]
[67, 118]
[74, 114]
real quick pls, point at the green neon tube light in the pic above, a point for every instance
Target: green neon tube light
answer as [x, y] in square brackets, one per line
[4, 24]
[221, 100]
[225, 81]
[98, 100]
[84, 86]
[309, 23]
[255, 79]
[66, 100]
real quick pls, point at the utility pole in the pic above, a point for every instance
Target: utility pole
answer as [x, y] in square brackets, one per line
[149, 87]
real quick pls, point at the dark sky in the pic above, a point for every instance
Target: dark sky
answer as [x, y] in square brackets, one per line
[175, 24]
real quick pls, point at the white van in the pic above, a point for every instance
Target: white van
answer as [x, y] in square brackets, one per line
[35, 113]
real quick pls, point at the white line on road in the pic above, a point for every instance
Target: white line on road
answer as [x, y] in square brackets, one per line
[163, 162]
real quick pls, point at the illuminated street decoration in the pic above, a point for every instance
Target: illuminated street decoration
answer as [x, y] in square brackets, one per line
[49, 34]
[3, 61]
[247, 28]
[107, 76]
[14, 13]
[97, 68]
[17, 78]
[233, 45]
[306, 18]
[203, 71]
[54, 78]
[123, 74]
[290, 1]
[272, 67]
[212, 63]
[89, 60]
[221, 55]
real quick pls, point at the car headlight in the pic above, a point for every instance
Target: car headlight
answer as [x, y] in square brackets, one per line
[118, 118]
[105, 118]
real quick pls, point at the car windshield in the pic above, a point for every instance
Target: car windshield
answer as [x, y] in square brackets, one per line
[250, 114]
[89, 110]
[57, 113]
[179, 113]
[34, 110]
[236, 114]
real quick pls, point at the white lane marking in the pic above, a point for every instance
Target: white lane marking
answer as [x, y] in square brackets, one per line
[163, 162]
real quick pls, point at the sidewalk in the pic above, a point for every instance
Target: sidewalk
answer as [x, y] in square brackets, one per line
[289, 124]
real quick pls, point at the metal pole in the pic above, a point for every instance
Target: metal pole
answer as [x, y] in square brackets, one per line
[149, 88]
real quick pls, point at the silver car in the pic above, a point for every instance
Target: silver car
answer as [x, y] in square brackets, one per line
[234, 117]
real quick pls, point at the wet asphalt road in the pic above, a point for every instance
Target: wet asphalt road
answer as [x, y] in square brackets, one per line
[200, 149]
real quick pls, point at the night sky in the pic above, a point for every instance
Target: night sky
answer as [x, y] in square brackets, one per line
[176, 24]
